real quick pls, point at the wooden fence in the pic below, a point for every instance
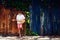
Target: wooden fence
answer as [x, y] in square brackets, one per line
[7, 25]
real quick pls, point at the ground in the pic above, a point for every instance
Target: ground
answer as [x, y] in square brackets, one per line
[28, 38]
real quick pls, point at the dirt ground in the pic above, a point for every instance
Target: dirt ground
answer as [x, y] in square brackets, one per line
[28, 38]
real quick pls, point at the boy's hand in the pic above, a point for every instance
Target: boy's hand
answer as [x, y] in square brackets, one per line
[13, 19]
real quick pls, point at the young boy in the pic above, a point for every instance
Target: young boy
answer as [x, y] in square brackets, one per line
[20, 20]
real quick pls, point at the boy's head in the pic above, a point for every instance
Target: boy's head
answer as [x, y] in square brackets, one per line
[19, 12]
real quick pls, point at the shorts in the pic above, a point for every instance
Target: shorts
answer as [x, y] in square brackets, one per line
[19, 26]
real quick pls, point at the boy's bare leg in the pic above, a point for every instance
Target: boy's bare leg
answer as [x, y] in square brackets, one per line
[19, 33]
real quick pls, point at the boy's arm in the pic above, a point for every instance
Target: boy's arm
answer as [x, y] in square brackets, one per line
[22, 21]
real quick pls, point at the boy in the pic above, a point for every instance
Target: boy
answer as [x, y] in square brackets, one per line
[20, 20]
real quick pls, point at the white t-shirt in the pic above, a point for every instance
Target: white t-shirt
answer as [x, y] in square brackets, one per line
[20, 17]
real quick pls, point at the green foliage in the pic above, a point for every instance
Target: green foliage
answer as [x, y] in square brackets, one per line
[28, 31]
[18, 4]
[27, 23]
[34, 34]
